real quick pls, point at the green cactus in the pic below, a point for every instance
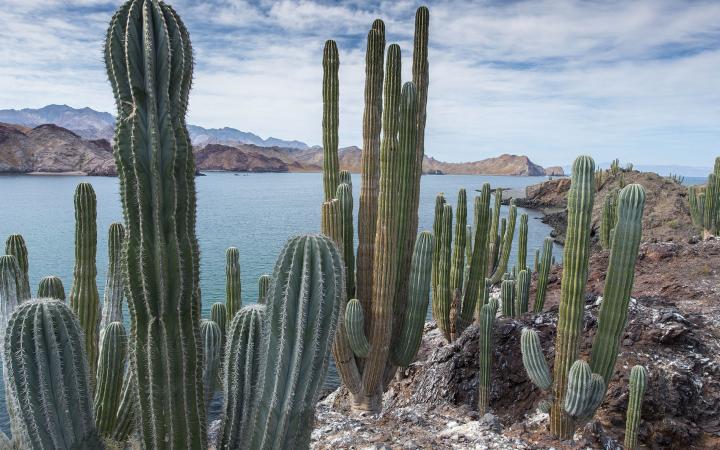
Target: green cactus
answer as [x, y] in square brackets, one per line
[84, 296]
[536, 262]
[585, 390]
[476, 281]
[494, 243]
[457, 267]
[115, 280]
[344, 195]
[345, 177]
[149, 63]
[218, 314]
[263, 288]
[608, 220]
[233, 283]
[330, 123]
[355, 326]
[485, 323]
[712, 204]
[442, 301]
[696, 213]
[638, 382]
[11, 282]
[212, 339]
[543, 273]
[51, 287]
[49, 388]
[437, 232]
[522, 288]
[125, 416]
[15, 246]
[241, 367]
[507, 298]
[522, 242]
[533, 359]
[506, 245]
[111, 368]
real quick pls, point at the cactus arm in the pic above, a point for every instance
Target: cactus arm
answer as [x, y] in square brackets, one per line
[533, 359]
[543, 273]
[443, 296]
[233, 283]
[506, 245]
[437, 232]
[15, 246]
[485, 351]
[522, 242]
[522, 287]
[344, 195]
[263, 288]
[212, 354]
[507, 296]
[475, 283]
[111, 368]
[493, 243]
[115, 279]
[218, 314]
[457, 267]
[355, 326]
[419, 295]
[51, 287]
[619, 281]
[330, 123]
[638, 382]
[572, 295]
[125, 415]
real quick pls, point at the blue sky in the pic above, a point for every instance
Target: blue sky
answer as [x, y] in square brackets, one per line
[638, 80]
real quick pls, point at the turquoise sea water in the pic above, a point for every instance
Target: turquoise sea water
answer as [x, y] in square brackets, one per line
[254, 212]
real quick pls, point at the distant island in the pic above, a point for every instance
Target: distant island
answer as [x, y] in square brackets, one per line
[59, 139]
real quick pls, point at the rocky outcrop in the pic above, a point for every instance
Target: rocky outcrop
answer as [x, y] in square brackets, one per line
[502, 165]
[52, 149]
[555, 171]
[233, 159]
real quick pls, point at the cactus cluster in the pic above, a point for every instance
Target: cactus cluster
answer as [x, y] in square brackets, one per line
[577, 387]
[608, 219]
[704, 203]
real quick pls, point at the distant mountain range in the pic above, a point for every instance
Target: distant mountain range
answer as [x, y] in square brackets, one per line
[61, 139]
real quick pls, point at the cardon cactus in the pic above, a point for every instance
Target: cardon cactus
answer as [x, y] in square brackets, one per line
[241, 367]
[115, 281]
[388, 210]
[355, 326]
[522, 292]
[442, 301]
[608, 219]
[638, 382]
[51, 287]
[506, 245]
[111, 370]
[712, 204]
[437, 232]
[263, 288]
[485, 323]
[218, 314]
[585, 390]
[125, 416]
[330, 123]
[522, 242]
[49, 387]
[507, 298]
[543, 273]
[345, 177]
[533, 359]
[149, 63]
[212, 355]
[84, 296]
[344, 196]
[233, 284]
[15, 246]
[476, 281]
[457, 267]
[494, 243]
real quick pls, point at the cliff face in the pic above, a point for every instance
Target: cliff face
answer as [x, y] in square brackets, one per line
[50, 148]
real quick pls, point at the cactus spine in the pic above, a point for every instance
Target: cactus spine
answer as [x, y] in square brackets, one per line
[522, 288]
[507, 297]
[49, 388]
[506, 245]
[51, 287]
[487, 318]
[263, 288]
[331, 97]
[15, 246]
[574, 278]
[149, 62]
[344, 195]
[522, 242]
[212, 354]
[638, 382]
[84, 296]
[543, 273]
[115, 280]
[233, 284]
[111, 368]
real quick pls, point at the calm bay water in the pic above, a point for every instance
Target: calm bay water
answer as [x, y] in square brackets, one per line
[254, 212]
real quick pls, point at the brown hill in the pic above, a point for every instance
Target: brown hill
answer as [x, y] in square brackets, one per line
[501, 165]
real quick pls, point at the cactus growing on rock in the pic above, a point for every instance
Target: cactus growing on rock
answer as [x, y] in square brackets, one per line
[84, 296]
[115, 280]
[233, 283]
[263, 287]
[507, 298]
[15, 246]
[51, 287]
[49, 388]
[111, 369]
[485, 323]
[543, 273]
[522, 292]
[638, 382]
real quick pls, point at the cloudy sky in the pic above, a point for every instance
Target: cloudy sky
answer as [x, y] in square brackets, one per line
[638, 80]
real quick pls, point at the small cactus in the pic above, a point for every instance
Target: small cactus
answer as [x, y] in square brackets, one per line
[585, 390]
[346, 177]
[608, 220]
[507, 298]
[355, 326]
[263, 288]
[494, 242]
[111, 369]
[51, 287]
[638, 382]
[457, 265]
[15, 246]
[522, 242]
[533, 359]
[115, 281]
[441, 307]
[212, 354]
[233, 284]
[543, 273]
[522, 292]
[487, 318]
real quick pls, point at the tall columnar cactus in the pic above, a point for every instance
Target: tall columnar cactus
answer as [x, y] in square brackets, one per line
[331, 221]
[15, 246]
[543, 273]
[149, 62]
[536, 262]
[572, 295]
[712, 204]
[111, 369]
[331, 98]
[370, 160]
[494, 243]
[522, 288]
[608, 219]
[485, 352]
[522, 242]
[476, 281]
[212, 340]
[10, 287]
[507, 298]
[84, 296]
[218, 314]
[344, 196]
[437, 232]
[49, 387]
[696, 212]
[441, 310]
[125, 416]
[115, 281]
[263, 287]
[638, 382]
[241, 367]
[51, 287]
[233, 283]
[506, 245]
[457, 267]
